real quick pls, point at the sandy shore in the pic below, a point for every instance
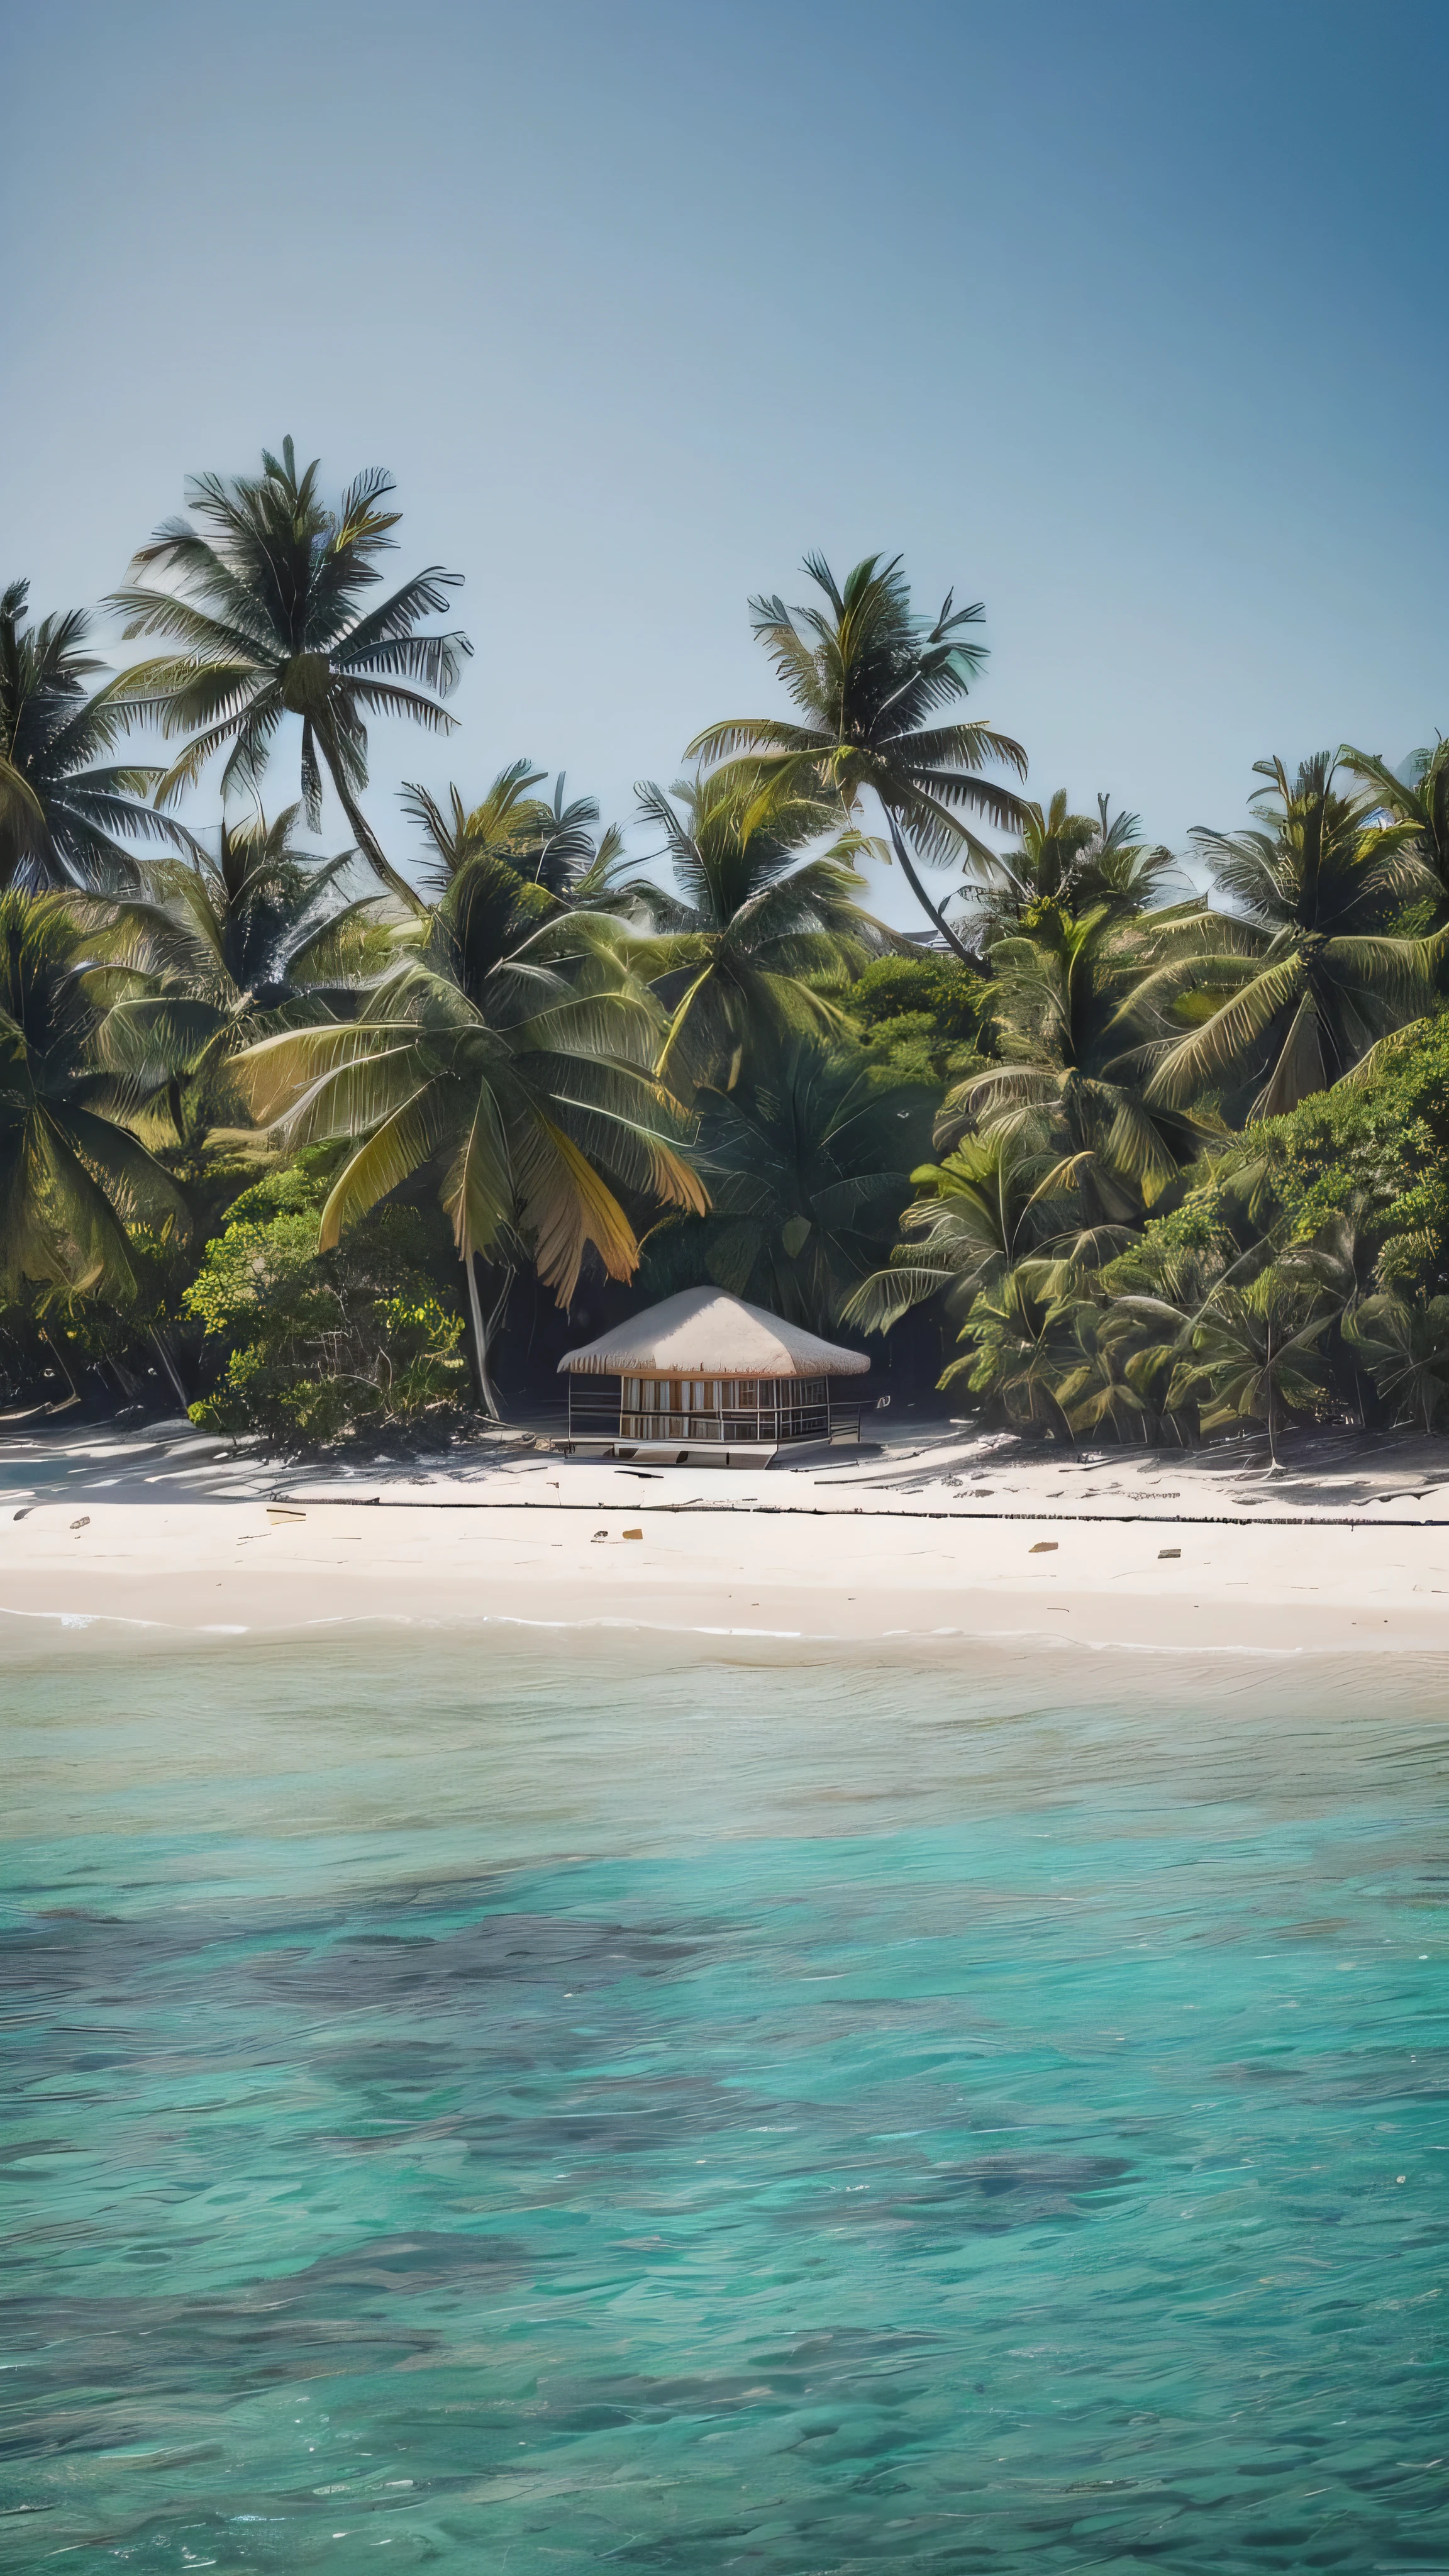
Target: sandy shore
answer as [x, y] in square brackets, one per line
[933, 1533]
[724, 1570]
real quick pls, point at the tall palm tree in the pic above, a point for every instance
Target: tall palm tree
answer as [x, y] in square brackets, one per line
[552, 844]
[871, 680]
[1309, 975]
[224, 942]
[62, 802]
[753, 929]
[268, 607]
[510, 1051]
[809, 1160]
[72, 1176]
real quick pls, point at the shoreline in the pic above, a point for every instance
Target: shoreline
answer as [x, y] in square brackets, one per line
[758, 1574]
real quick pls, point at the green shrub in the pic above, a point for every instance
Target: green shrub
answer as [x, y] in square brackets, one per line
[323, 1345]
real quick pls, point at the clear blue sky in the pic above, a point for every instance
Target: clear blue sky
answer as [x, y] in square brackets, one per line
[1125, 316]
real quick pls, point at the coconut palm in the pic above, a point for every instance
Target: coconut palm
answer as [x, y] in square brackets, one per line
[73, 1178]
[1310, 974]
[751, 930]
[1078, 1034]
[268, 606]
[510, 1051]
[1405, 1345]
[993, 1202]
[1076, 861]
[871, 680]
[1255, 1353]
[1420, 799]
[552, 844]
[62, 802]
[224, 942]
[809, 1160]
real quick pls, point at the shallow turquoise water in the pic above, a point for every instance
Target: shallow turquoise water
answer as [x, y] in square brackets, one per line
[552, 2106]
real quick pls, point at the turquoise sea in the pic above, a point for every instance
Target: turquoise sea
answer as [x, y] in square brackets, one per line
[537, 2103]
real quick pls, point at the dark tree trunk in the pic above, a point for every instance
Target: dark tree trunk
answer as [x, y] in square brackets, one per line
[908, 870]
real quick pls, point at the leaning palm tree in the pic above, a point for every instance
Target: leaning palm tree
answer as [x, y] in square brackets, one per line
[751, 931]
[73, 1179]
[871, 681]
[63, 803]
[268, 607]
[224, 942]
[510, 1052]
[1310, 974]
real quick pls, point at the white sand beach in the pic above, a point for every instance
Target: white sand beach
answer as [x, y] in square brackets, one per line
[940, 1535]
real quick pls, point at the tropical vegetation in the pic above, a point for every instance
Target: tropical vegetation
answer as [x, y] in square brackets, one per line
[331, 1140]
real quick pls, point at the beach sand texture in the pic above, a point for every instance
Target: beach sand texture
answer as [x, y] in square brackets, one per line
[938, 1534]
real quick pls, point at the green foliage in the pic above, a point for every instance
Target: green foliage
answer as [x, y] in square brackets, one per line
[320, 1345]
[922, 1019]
[808, 1162]
[871, 681]
[267, 603]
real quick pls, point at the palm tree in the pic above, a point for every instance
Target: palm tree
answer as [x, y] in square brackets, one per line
[1310, 975]
[1406, 1347]
[1076, 861]
[993, 1202]
[869, 679]
[73, 1178]
[809, 1159]
[1255, 1352]
[552, 844]
[510, 1050]
[224, 942]
[1420, 799]
[62, 803]
[1076, 1027]
[268, 609]
[753, 929]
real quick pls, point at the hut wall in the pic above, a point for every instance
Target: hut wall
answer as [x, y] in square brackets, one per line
[729, 1409]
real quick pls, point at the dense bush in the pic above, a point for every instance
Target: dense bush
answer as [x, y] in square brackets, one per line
[320, 1345]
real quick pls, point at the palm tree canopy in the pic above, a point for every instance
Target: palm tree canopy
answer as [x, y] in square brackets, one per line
[751, 929]
[1077, 861]
[224, 941]
[1420, 798]
[872, 681]
[268, 603]
[510, 1049]
[73, 1179]
[809, 1163]
[1312, 973]
[66, 811]
[552, 843]
[1079, 1035]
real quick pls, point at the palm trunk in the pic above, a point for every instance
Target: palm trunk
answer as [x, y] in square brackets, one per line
[907, 867]
[169, 1366]
[480, 1339]
[362, 831]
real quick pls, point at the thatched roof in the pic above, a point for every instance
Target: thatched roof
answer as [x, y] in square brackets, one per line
[704, 1333]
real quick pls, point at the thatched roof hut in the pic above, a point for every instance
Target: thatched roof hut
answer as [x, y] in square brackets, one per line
[703, 1376]
[704, 1333]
